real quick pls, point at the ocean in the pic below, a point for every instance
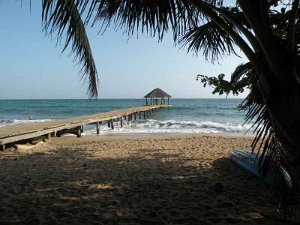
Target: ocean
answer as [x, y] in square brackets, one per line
[187, 116]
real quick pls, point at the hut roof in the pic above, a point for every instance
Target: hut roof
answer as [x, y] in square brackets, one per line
[157, 93]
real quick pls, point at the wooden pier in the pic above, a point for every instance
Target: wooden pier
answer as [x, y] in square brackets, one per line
[21, 132]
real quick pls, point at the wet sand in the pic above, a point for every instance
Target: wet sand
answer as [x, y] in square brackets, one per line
[132, 180]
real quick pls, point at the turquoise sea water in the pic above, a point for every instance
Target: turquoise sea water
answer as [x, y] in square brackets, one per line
[186, 115]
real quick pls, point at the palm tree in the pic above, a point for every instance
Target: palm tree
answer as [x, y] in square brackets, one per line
[268, 36]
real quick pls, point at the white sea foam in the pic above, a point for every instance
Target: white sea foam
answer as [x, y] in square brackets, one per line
[172, 126]
[8, 122]
[155, 126]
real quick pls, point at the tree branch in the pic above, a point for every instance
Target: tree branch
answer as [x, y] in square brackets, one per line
[256, 13]
[247, 33]
[208, 11]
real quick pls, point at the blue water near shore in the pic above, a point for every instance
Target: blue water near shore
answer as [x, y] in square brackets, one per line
[189, 116]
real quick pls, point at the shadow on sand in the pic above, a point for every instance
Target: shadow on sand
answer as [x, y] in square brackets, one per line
[71, 186]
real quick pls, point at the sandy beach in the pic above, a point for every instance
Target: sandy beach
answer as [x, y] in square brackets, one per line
[132, 180]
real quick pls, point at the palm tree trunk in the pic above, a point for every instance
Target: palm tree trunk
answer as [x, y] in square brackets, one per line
[283, 99]
[284, 109]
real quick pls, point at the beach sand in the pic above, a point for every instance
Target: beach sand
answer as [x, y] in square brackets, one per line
[132, 180]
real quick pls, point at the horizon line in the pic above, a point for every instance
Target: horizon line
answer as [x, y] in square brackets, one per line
[111, 98]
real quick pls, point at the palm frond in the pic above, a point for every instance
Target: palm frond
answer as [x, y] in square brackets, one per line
[211, 39]
[64, 18]
[155, 17]
[240, 71]
[273, 158]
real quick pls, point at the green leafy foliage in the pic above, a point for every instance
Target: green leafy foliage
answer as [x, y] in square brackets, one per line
[220, 85]
[240, 80]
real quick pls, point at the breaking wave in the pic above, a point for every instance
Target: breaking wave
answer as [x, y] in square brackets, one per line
[173, 126]
[8, 122]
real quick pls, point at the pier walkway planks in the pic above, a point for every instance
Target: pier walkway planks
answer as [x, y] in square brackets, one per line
[14, 133]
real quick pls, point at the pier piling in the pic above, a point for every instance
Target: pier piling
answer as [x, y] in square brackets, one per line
[98, 128]
[28, 131]
[112, 124]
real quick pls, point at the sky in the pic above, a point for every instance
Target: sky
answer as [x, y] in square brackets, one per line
[33, 67]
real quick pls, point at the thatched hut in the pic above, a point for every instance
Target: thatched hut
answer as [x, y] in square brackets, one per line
[156, 94]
